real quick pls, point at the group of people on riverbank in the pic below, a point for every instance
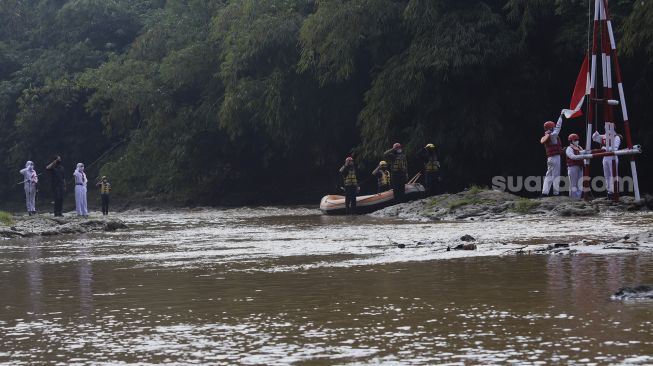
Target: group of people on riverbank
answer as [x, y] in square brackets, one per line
[391, 173]
[554, 150]
[59, 187]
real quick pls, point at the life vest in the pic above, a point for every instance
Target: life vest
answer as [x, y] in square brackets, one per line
[384, 178]
[551, 148]
[432, 165]
[572, 162]
[105, 188]
[350, 178]
[399, 163]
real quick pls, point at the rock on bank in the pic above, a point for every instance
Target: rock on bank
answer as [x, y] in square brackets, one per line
[29, 226]
[483, 204]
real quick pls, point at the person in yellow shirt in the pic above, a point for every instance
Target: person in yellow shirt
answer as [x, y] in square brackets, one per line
[398, 171]
[382, 175]
[350, 181]
[105, 189]
[431, 167]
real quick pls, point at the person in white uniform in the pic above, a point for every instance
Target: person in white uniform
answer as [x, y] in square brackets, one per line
[574, 166]
[30, 183]
[80, 190]
[553, 148]
[608, 174]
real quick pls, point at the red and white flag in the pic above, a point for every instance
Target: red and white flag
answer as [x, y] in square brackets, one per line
[581, 89]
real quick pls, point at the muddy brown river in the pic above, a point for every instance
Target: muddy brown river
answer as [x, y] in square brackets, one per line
[279, 286]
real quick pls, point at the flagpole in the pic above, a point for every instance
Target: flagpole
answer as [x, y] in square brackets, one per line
[622, 99]
[608, 115]
[591, 103]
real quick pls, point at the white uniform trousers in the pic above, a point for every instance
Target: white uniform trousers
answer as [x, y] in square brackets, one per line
[575, 174]
[607, 172]
[30, 196]
[80, 200]
[552, 178]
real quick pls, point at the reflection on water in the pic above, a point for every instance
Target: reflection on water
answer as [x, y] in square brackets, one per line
[185, 288]
[85, 282]
[34, 277]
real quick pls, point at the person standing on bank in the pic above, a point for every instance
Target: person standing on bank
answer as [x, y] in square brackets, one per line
[553, 149]
[431, 167]
[398, 171]
[608, 174]
[382, 176]
[81, 205]
[58, 184]
[105, 189]
[574, 167]
[348, 172]
[30, 183]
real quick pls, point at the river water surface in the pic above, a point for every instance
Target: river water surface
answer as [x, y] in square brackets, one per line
[276, 286]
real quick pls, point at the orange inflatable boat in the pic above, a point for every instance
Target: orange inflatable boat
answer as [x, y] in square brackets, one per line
[335, 204]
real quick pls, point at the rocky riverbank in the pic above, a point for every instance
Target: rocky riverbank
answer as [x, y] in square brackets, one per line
[484, 245]
[43, 225]
[500, 207]
[482, 204]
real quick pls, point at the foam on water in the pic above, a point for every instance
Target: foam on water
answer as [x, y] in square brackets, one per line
[261, 235]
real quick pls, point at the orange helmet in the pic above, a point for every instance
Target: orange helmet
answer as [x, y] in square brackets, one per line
[573, 137]
[396, 145]
[549, 125]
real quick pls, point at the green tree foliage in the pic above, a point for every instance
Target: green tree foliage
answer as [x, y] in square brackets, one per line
[102, 24]
[248, 100]
[341, 36]
[417, 93]
[45, 47]
[638, 30]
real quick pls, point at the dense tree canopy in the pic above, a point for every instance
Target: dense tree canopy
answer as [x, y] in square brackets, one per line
[243, 101]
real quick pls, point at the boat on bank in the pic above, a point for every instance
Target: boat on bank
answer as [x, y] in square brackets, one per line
[335, 204]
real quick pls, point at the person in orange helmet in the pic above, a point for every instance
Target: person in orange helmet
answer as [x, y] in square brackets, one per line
[553, 148]
[574, 166]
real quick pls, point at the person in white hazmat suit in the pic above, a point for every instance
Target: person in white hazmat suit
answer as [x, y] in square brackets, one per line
[30, 183]
[553, 148]
[608, 174]
[574, 166]
[80, 190]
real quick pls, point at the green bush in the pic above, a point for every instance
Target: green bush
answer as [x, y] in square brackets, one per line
[6, 218]
[432, 202]
[474, 189]
[464, 202]
[525, 205]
